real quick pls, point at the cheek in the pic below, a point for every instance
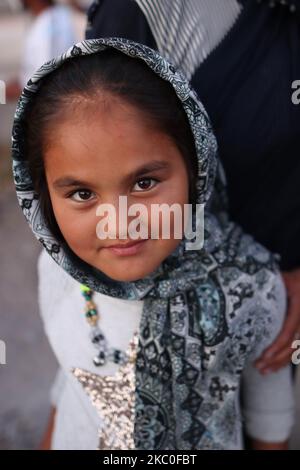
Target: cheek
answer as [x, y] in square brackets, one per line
[176, 189]
[177, 192]
[183, 183]
[77, 227]
[179, 187]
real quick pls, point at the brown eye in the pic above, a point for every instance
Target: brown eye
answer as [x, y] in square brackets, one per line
[83, 195]
[145, 184]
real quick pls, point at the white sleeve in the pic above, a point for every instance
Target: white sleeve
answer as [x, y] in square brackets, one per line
[57, 387]
[53, 284]
[268, 404]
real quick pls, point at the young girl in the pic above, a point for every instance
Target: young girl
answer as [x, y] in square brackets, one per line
[171, 333]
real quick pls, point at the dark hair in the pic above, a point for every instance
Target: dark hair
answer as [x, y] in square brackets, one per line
[116, 73]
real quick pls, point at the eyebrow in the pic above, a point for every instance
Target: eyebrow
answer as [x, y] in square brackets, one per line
[69, 181]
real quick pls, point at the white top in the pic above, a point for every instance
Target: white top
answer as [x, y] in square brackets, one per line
[268, 400]
[52, 32]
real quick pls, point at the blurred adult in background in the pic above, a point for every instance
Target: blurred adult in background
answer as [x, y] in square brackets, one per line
[81, 5]
[242, 58]
[51, 32]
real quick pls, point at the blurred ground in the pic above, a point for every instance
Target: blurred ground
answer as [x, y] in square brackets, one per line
[295, 439]
[27, 376]
[30, 365]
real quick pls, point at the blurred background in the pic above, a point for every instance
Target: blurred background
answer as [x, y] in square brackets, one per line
[30, 366]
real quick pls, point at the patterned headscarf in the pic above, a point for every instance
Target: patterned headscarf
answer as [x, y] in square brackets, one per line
[204, 310]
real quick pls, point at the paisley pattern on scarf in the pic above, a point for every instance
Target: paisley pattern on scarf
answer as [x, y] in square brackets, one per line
[205, 310]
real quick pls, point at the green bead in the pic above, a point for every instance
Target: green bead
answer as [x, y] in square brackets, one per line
[84, 288]
[91, 313]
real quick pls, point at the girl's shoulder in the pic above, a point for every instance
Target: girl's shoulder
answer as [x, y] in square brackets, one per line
[54, 283]
[58, 290]
[49, 270]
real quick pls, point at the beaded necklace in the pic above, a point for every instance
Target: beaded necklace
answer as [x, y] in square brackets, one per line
[104, 352]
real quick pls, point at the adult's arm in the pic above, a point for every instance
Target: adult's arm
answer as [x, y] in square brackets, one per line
[124, 18]
[279, 353]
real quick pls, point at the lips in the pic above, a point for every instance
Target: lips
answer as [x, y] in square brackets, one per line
[125, 245]
[129, 248]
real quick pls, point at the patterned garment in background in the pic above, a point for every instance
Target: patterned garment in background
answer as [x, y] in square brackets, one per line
[205, 311]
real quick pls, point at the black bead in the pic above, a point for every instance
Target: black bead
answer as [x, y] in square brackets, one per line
[97, 338]
[117, 355]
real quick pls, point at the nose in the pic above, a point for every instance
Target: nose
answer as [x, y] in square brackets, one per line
[114, 218]
[116, 223]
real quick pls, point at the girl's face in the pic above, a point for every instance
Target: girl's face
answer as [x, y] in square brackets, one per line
[94, 155]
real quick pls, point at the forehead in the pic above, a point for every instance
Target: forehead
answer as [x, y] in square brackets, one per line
[105, 139]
